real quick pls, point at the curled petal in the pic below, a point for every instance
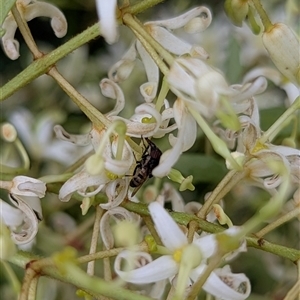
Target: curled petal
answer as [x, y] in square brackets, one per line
[78, 139]
[164, 225]
[148, 91]
[151, 272]
[30, 222]
[199, 24]
[250, 89]
[10, 45]
[80, 181]
[42, 9]
[27, 186]
[118, 214]
[111, 90]
[183, 19]
[227, 285]
[116, 192]
[31, 11]
[272, 182]
[121, 70]
[169, 41]
[223, 284]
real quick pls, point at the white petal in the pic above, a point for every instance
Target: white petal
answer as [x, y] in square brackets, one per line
[80, 181]
[159, 269]
[183, 19]
[185, 122]
[118, 214]
[116, 191]
[207, 244]
[250, 89]
[170, 233]
[30, 226]
[218, 288]
[107, 15]
[121, 70]
[27, 186]
[169, 41]
[78, 139]
[10, 45]
[148, 91]
[112, 90]
[151, 68]
[41, 9]
[9, 215]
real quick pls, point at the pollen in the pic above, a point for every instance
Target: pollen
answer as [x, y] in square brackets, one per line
[111, 175]
[177, 255]
[258, 147]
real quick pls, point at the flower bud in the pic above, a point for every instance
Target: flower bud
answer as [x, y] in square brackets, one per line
[8, 132]
[236, 11]
[283, 47]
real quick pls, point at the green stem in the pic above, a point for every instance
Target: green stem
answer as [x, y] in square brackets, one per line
[263, 15]
[185, 219]
[43, 64]
[77, 277]
[140, 6]
[162, 94]
[196, 287]
[217, 143]
[227, 183]
[280, 121]
[285, 218]
[95, 116]
[94, 239]
[132, 23]
[25, 31]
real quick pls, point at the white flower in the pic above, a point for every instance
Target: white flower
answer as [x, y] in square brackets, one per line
[118, 214]
[179, 261]
[98, 168]
[137, 124]
[31, 9]
[26, 216]
[202, 87]
[194, 21]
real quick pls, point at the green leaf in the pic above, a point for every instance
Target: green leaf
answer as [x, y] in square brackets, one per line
[6, 6]
[203, 168]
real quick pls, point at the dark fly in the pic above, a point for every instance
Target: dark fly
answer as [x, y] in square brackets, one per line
[145, 166]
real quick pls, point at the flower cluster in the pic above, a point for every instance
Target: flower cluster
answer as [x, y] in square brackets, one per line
[183, 98]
